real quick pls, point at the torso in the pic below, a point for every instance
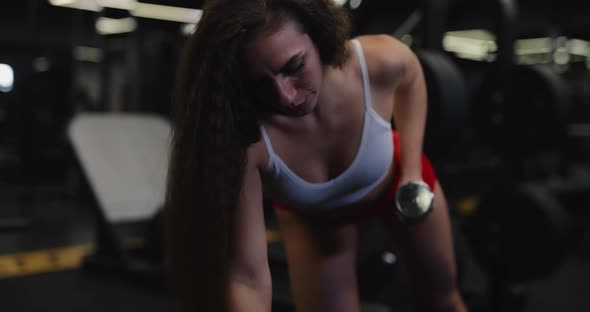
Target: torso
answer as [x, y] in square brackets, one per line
[320, 149]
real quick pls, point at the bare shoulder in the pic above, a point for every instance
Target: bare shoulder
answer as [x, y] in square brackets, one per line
[257, 155]
[387, 58]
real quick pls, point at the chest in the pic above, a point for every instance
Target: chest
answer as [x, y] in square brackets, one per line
[325, 151]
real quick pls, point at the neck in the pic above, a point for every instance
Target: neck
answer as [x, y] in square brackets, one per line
[332, 85]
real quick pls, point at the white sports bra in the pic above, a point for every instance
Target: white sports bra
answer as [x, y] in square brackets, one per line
[371, 163]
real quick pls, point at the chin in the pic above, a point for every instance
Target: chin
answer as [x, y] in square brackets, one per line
[306, 109]
[295, 113]
[300, 111]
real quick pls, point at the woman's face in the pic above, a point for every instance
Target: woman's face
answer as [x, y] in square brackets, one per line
[284, 69]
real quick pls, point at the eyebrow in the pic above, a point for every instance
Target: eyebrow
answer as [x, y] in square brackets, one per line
[291, 62]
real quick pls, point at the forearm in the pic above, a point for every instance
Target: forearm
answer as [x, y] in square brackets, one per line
[246, 298]
[410, 119]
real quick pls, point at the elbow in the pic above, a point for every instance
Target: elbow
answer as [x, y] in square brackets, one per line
[250, 293]
[258, 280]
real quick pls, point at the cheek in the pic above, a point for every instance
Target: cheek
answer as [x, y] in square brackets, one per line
[316, 73]
[310, 78]
[315, 79]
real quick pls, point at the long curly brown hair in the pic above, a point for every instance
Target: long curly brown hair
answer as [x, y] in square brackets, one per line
[216, 119]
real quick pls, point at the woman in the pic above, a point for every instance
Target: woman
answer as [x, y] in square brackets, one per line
[273, 97]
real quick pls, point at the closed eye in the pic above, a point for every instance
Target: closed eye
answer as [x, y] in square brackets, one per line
[294, 69]
[294, 65]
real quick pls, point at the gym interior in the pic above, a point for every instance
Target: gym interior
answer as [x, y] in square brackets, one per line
[85, 113]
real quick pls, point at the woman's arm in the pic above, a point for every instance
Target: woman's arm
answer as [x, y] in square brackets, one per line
[396, 67]
[250, 281]
[409, 112]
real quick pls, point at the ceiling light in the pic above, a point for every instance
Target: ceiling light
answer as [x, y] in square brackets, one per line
[87, 5]
[167, 13]
[188, 29]
[6, 78]
[355, 4]
[61, 2]
[110, 26]
[138, 9]
[117, 4]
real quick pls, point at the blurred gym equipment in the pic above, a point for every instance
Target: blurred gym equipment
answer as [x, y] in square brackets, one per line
[124, 158]
[447, 90]
[518, 234]
[521, 110]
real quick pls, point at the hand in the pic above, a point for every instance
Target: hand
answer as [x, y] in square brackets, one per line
[413, 201]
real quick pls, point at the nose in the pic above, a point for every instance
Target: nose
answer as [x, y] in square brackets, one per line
[286, 90]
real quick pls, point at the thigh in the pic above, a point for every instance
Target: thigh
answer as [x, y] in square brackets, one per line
[426, 252]
[321, 261]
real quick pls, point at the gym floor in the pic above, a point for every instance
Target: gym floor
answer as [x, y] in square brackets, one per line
[40, 265]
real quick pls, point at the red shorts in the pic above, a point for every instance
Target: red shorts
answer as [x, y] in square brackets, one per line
[384, 208]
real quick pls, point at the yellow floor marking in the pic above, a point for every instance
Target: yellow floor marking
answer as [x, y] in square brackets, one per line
[42, 261]
[8, 267]
[63, 258]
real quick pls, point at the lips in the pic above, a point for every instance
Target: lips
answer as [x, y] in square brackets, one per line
[296, 108]
[300, 103]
